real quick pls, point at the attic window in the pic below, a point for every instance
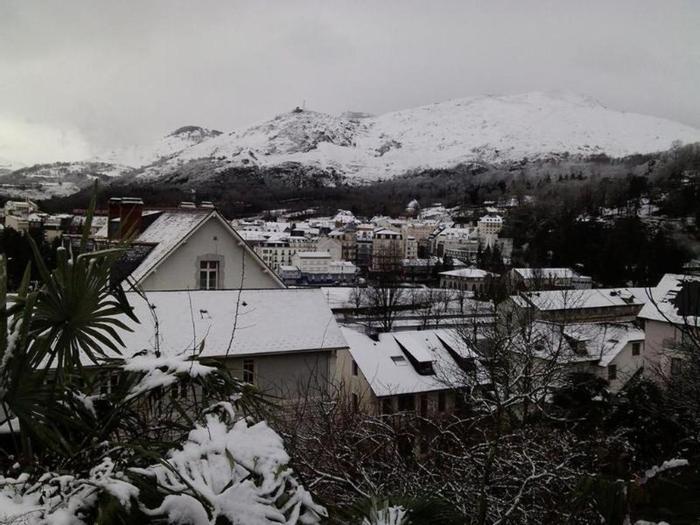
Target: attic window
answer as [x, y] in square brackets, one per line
[208, 275]
[399, 360]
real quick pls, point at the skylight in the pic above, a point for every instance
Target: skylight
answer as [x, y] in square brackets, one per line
[399, 360]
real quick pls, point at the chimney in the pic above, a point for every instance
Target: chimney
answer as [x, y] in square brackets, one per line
[130, 217]
[115, 204]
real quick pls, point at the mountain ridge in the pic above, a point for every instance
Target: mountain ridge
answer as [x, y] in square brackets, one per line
[358, 147]
[488, 129]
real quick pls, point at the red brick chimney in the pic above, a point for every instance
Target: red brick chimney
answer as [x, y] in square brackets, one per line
[130, 215]
[114, 211]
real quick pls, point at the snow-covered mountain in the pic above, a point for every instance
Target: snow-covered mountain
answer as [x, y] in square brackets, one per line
[175, 142]
[355, 146]
[486, 129]
[58, 179]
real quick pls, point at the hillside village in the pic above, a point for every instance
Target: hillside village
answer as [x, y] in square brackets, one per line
[384, 306]
[343, 263]
[413, 331]
[418, 323]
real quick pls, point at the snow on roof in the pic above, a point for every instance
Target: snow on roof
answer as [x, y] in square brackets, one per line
[173, 227]
[252, 235]
[270, 321]
[582, 299]
[676, 299]
[467, 273]
[386, 231]
[389, 372]
[600, 342]
[167, 231]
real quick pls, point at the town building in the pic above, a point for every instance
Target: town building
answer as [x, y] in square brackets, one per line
[414, 372]
[490, 225]
[613, 352]
[185, 248]
[466, 279]
[387, 250]
[671, 321]
[595, 305]
[547, 279]
[251, 331]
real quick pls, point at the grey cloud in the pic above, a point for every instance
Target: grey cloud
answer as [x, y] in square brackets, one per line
[128, 72]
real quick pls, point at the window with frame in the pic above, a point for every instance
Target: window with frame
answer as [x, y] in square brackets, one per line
[355, 403]
[354, 368]
[636, 348]
[249, 371]
[208, 275]
[612, 372]
[676, 366]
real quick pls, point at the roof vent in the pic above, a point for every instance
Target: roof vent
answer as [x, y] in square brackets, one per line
[206, 204]
[187, 204]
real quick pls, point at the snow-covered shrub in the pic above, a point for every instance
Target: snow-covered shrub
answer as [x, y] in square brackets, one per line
[228, 469]
[233, 469]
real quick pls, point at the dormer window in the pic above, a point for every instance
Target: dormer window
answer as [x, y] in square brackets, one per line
[208, 275]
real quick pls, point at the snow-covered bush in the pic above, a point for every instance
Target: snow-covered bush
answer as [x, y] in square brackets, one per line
[227, 471]
[233, 469]
[136, 439]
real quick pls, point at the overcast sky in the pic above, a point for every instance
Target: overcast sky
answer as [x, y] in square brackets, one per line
[77, 76]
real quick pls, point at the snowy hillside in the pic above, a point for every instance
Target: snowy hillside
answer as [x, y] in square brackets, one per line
[357, 146]
[168, 146]
[478, 129]
[57, 179]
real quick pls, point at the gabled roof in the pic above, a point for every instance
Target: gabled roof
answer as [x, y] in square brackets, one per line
[582, 299]
[597, 342]
[172, 228]
[676, 299]
[264, 324]
[388, 369]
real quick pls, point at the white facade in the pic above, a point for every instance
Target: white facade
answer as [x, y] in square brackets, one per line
[312, 262]
[212, 246]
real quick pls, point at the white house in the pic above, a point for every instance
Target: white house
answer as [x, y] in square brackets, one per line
[184, 249]
[671, 321]
[412, 371]
[612, 351]
[281, 340]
